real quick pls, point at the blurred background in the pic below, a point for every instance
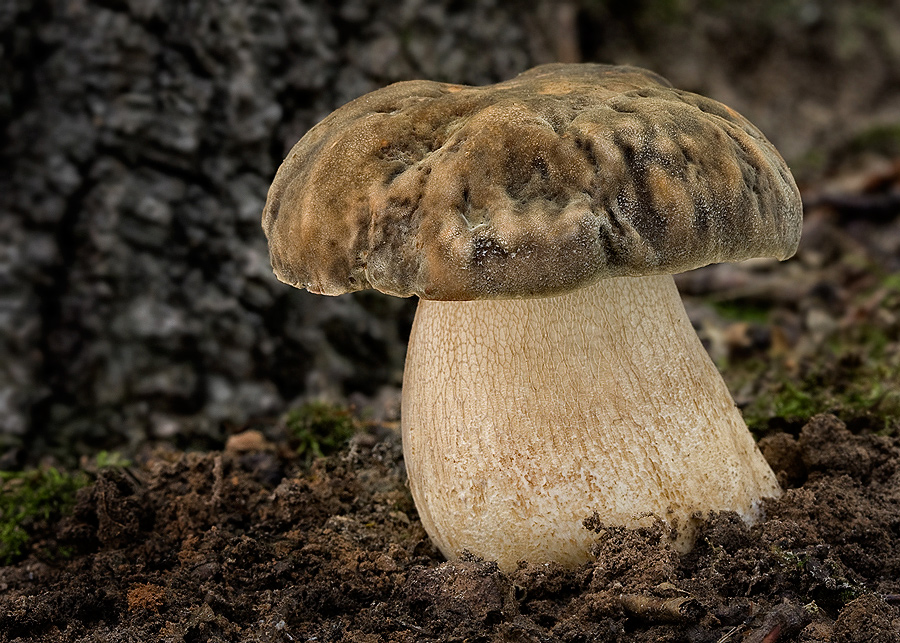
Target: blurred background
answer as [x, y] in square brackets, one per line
[139, 138]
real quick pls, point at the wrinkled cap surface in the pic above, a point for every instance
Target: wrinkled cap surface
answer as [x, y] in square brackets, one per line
[535, 186]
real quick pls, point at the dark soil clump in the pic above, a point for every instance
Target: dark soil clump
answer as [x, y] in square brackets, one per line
[253, 545]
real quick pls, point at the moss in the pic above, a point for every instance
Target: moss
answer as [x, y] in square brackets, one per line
[319, 429]
[862, 396]
[111, 460]
[790, 559]
[29, 497]
[794, 403]
[855, 376]
[809, 164]
[880, 139]
[741, 310]
[854, 373]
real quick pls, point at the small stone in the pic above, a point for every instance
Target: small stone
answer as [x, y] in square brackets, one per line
[246, 441]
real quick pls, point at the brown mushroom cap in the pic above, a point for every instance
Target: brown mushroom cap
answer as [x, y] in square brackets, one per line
[535, 186]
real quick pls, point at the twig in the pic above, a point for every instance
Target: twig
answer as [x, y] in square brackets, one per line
[669, 610]
[218, 483]
[737, 629]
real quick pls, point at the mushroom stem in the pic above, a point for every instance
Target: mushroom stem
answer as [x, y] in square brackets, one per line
[523, 417]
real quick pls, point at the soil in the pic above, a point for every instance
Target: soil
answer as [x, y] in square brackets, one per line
[254, 546]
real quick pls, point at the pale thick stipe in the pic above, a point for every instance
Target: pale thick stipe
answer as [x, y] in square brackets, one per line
[521, 417]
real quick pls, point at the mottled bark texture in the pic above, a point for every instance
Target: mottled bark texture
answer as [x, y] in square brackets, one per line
[139, 139]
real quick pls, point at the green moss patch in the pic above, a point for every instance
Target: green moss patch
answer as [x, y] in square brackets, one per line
[28, 498]
[856, 376]
[319, 429]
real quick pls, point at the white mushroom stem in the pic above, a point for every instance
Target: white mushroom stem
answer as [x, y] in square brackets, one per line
[523, 417]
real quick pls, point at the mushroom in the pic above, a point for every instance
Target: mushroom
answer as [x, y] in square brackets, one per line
[551, 371]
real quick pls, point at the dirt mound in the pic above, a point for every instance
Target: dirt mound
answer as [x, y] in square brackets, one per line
[255, 546]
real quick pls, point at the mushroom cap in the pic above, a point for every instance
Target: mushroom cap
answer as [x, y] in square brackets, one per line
[535, 186]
